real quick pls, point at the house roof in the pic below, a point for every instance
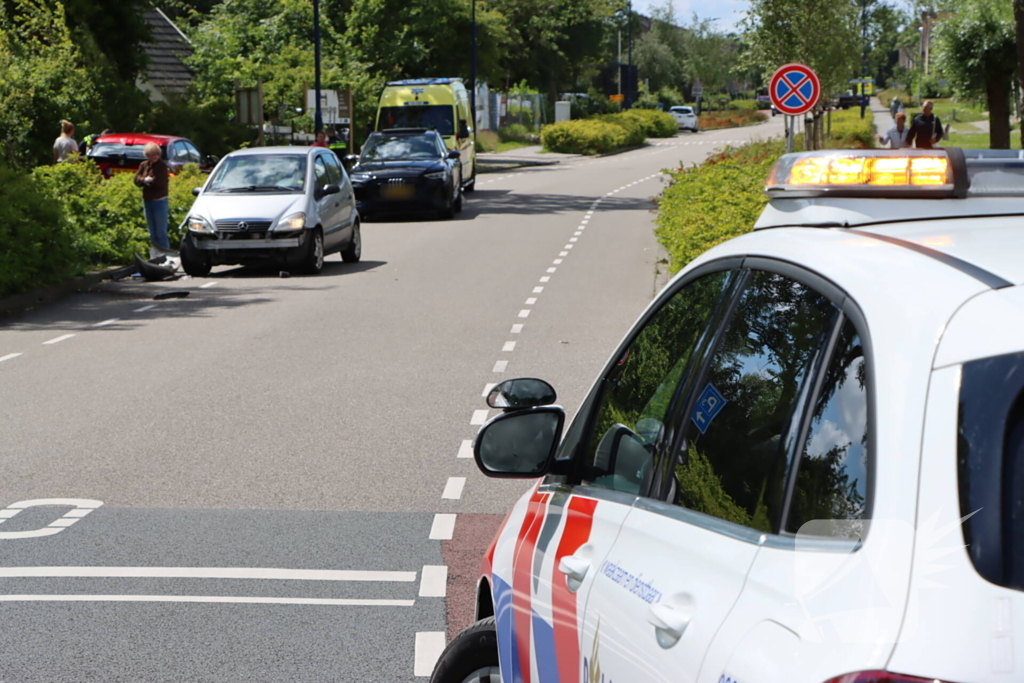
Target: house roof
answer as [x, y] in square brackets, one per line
[166, 70]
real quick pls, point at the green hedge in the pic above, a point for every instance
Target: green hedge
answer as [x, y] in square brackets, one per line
[720, 199]
[608, 132]
[60, 221]
[587, 136]
[850, 130]
[656, 124]
[37, 247]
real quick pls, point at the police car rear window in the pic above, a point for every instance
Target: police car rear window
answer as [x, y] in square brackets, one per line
[990, 454]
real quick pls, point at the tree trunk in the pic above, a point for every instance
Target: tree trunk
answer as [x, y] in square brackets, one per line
[997, 90]
[1018, 17]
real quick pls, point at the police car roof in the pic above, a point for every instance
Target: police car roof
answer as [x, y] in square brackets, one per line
[981, 233]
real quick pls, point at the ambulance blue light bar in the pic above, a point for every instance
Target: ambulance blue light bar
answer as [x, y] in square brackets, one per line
[907, 173]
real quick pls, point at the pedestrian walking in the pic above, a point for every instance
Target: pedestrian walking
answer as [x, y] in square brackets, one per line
[153, 179]
[926, 129]
[895, 107]
[897, 135]
[65, 145]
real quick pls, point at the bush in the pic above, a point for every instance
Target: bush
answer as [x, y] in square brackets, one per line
[732, 118]
[720, 199]
[37, 246]
[517, 132]
[487, 141]
[588, 136]
[750, 105]
[849, 130]
[656, 124]
[636, 132]
[106, 215]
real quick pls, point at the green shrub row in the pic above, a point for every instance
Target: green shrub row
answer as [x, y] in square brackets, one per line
[730, 118]
[59, 221]
[849, 130]
[707, 204]
[608, 132]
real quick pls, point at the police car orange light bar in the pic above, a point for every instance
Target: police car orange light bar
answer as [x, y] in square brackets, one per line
[863, 173]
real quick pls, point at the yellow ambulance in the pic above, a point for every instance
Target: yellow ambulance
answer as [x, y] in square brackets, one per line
[440, 104]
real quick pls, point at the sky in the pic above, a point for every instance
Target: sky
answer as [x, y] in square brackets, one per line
[727, 12]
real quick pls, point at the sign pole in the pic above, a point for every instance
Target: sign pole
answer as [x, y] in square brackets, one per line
[789, 134]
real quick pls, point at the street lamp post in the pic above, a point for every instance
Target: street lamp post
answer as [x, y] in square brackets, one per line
[631, 85]
[472, 68]
[318, 119]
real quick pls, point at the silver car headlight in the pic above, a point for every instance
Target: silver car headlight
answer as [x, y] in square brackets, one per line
[436, 175]
[200, 224]
[296, 221]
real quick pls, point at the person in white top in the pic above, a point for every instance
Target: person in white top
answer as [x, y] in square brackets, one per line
[897, 135]
[65, 144]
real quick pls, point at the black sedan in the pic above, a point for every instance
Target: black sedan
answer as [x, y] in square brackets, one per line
[406, 170]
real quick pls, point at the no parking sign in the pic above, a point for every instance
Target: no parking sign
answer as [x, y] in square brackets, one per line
[794, 89]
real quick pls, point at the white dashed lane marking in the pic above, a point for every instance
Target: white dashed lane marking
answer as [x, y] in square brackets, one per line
[434, 581]
[58, 340]
[443, 527]
[207, 285]
[429, 646]
[487, 388]
[107, 322]
[10, 356]
[453, 488]
[509, 346]
[145, 308]
[500, 366]
[479, 417]
[466, 449]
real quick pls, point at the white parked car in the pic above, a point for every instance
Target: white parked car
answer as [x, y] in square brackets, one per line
[291, 205]
[685, 118]
[804, 464]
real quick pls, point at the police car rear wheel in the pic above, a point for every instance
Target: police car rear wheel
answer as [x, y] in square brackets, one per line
[471, 657]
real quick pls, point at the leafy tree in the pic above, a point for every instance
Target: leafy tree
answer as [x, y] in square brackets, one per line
[886, 26]
[820, 33]
[44, 79]
[1018, 20]
[976, 49]
[710, 55]
[657, 64]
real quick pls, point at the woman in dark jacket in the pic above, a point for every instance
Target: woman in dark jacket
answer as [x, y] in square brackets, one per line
[152, 178]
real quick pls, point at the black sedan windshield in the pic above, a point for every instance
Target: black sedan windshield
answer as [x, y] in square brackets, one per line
[400, 147]
[271, 173]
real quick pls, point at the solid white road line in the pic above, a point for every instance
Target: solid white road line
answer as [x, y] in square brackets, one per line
[205, 573]
[346, 602]
[145, 308]
[9, 356]
[453, 488]
[517, 328]
[443, 527]
[509, 346]
[207, 285]
[429, 646]
[434, 581]
[499, 366]
[466, 449]
[107, 322]
[479, 417]
[58, 340]
[488, 387]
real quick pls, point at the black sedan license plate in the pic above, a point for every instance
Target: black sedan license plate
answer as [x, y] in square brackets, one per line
[398, 191]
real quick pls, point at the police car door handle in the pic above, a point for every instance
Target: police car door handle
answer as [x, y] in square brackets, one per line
[669, 624]
[575, 569]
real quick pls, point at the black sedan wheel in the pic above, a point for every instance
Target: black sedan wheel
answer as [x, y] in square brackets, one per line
[472, 657]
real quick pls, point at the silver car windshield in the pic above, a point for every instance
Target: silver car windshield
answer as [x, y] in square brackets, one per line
[400, 147]
[271, 173]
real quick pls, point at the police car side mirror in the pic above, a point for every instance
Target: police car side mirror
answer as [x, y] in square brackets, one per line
[519, 444]
[516, 394]
[196, 191]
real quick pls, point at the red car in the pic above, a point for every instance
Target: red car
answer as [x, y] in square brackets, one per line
[122, 152]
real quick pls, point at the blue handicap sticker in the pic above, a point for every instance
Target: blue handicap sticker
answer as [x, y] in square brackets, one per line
[708, 406]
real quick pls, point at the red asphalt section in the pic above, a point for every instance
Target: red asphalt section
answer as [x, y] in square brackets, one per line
[463, 555]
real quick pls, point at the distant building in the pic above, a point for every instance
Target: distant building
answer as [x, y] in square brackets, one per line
[166, 75]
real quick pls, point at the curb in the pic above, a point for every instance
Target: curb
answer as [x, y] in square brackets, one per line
[15, 304]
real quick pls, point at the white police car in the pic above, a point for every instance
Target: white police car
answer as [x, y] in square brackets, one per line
[805, 463]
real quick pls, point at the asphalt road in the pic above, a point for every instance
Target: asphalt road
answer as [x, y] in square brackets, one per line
[268, 480]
